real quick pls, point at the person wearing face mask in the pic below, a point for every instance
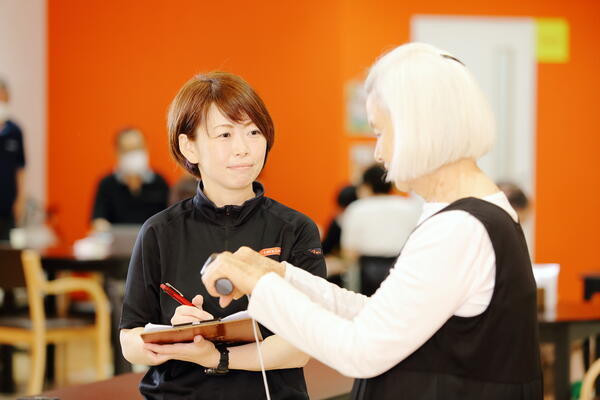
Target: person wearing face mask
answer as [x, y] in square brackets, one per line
[134, 192]
[12, 168]
[221, 132]
[456, 318]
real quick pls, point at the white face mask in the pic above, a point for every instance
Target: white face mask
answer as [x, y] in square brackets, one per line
[133, 162]
[4, 111]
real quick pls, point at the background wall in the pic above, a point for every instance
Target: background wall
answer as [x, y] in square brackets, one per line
[23, 66]
[120, 63]
[115, 63]
[568, 168]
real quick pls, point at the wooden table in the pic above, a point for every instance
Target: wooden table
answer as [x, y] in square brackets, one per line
[570, 322]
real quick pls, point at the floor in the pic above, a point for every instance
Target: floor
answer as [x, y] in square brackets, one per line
[80, 368]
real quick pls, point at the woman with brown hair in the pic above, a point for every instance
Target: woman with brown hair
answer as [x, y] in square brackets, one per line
[220, 132]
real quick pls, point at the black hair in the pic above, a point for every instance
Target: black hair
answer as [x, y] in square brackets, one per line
[374, 177]
[346, 196]
[516, 197]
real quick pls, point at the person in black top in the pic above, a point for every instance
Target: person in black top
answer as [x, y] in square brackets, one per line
[456, 318]
[12, 207]
[133, 193]
[12, 168]
[221, 132]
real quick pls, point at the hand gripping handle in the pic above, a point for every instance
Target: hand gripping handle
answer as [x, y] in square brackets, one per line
[222, 285]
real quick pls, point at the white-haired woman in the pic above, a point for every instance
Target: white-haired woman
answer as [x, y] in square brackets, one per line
[456, 317]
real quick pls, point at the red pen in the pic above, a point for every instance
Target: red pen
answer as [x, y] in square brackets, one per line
[175, 294]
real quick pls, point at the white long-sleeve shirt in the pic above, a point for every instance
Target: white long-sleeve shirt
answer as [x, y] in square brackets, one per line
[447, 268]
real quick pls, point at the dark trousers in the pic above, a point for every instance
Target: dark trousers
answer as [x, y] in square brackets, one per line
[6, 224]
[373, 271]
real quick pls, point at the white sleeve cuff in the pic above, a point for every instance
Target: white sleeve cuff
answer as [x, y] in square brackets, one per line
[261, 290]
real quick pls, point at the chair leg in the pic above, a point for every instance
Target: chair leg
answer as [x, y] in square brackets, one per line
[7, 382]
[587, 387]
[38, 366]
[102, 355]
[60, 364]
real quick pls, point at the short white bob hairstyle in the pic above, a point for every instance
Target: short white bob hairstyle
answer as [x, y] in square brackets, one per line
[438, 112]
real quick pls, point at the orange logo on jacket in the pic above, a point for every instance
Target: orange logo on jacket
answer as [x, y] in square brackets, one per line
[272, 251]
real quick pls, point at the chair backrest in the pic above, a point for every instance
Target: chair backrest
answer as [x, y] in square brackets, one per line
[589, 379]
[36, 281]
[11, 269]
[22, 268]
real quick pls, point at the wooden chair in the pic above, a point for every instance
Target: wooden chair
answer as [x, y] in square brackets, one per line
[22, 268]
[587, 386]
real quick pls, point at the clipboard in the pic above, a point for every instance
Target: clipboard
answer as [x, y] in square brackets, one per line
[238, 331]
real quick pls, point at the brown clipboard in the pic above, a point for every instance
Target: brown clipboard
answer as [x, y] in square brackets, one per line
[229, 332]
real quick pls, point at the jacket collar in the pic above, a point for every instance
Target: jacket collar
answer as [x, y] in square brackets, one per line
[231, 214]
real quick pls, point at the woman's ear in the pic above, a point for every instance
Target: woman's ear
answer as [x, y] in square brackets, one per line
[188, 148]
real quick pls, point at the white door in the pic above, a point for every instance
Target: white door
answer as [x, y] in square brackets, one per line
[500, 52]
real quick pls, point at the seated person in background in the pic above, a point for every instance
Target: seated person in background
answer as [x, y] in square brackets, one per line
[183, 189]
[518, 200]
[331, 242]
[524, 208]
[522, 205]
[12, 168]
[133, 193]
[375, 227]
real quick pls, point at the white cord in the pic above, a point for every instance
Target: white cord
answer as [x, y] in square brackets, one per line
[260, 359]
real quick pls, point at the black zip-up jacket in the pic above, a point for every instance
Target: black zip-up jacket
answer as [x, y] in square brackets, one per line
[172, 247]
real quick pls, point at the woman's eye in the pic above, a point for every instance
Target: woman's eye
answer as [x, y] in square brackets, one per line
[224, 135]
[255, 132]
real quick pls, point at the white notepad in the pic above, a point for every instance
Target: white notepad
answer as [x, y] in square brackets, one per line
[149, 327]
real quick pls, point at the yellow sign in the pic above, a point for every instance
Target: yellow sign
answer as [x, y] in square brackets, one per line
[552, 40]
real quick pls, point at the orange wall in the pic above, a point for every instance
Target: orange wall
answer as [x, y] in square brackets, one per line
[115, 63]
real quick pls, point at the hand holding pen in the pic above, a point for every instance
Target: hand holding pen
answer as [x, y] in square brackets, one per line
[187, 311]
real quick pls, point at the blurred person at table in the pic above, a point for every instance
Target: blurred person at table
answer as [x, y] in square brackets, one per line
[12, 168]
[518, 200]
[133, 192]
[331, 242]
[376, 226]
[456, 318]
[523, 205]
[12, 208]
